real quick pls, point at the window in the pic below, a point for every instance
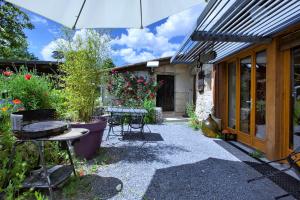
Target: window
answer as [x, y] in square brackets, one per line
[231, 95]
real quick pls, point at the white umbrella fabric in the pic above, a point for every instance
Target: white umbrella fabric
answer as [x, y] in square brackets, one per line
[78, 14]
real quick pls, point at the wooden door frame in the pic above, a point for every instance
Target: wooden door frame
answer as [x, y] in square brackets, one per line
[249, 139]
[287, 58]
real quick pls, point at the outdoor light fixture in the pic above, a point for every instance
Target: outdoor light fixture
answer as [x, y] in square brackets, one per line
[152, 64]
[200, 77]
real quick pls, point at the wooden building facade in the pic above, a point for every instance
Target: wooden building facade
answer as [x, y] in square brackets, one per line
[256, 69]
[257, 92]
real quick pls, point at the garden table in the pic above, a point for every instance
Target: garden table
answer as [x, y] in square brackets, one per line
[122, 112]
[50, 177]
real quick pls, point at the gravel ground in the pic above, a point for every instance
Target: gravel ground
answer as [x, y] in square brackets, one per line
[179, 163]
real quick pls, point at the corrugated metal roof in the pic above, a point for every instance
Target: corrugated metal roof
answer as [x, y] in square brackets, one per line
[257, 18]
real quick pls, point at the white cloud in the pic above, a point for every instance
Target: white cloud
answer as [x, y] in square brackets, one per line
[143, 39]
[49, 48]
[78, 41]
[138, 45]
[141, 44]
[131, 56]
[55, 31]
[168, 53]
[181, 23]
[38, 20]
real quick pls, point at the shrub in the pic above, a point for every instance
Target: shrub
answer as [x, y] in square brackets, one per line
[193, 119]
[84, 59]
[149, 105]
[31, 89]
[22, 90]
[132, 90]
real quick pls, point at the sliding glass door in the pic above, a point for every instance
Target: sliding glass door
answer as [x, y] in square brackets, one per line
[295, 100]
[246, 101]
[232, 95]
[260, 94]
[245, 94]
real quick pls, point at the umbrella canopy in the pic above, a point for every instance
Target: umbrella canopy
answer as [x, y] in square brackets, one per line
[105, 13]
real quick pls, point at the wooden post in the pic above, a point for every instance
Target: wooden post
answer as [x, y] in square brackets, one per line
[274, 101]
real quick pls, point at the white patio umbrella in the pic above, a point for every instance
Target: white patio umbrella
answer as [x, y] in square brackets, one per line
[105, 13]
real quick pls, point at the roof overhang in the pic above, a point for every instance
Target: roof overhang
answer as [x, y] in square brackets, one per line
[227, 26]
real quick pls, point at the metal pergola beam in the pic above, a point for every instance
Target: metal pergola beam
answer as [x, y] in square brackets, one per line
[223, 37]
[238, 24]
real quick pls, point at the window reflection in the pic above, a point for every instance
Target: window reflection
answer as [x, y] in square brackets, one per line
[231, 95]
[245, 95]
[260, 116]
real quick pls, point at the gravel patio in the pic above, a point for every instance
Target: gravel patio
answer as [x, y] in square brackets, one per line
[175, 162]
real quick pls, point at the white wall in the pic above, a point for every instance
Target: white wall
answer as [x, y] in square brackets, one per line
[204, 101]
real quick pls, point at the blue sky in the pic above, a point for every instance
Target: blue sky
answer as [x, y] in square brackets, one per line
[160, 39]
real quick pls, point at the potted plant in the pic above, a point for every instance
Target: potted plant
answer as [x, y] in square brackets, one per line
[84, 56]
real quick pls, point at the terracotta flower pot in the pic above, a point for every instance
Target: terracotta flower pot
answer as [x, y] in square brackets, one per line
[87, 146]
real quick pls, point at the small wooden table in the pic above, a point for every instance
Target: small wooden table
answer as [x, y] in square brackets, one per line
[51, 177]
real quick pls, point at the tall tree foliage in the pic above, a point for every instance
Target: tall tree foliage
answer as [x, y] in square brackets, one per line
[13, 43]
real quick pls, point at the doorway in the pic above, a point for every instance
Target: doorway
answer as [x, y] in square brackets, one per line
[246, 102]
[165, 94]
[294, 140]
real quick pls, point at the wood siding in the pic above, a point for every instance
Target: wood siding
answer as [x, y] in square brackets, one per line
[278, 92]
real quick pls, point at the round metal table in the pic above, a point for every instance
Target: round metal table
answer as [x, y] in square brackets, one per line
[50, 177]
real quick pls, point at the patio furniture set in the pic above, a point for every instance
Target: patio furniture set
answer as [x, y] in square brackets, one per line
[120, 116]
[40, 126]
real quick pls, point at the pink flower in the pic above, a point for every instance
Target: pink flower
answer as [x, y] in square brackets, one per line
[7, 73]
[140, 81]
[113, 71]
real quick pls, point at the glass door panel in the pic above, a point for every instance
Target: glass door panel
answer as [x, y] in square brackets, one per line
[231, 95]
[245, 94]
[260, 108]
[295, 100]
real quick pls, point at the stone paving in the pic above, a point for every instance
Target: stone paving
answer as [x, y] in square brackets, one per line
[176, 162]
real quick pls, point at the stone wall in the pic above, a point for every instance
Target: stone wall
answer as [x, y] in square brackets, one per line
[204, 101]
[183, 84]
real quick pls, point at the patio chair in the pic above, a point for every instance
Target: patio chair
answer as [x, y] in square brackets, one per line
[293, 160]
[136, 122]
[114, 120]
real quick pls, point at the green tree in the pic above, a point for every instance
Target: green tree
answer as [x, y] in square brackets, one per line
[108, 64]
[13, 41]
[84, 56]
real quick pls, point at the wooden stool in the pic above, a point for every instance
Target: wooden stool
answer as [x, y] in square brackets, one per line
[229, 135]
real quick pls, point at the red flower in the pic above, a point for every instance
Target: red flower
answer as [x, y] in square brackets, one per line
[140, 81]
[7, 73]
[128, 84]
[16, 101]
[28, 76]
[113, 71]
[152, 96]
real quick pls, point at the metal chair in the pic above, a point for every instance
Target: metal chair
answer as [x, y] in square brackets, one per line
[293, 160]
[113, 121]
[137, 122]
